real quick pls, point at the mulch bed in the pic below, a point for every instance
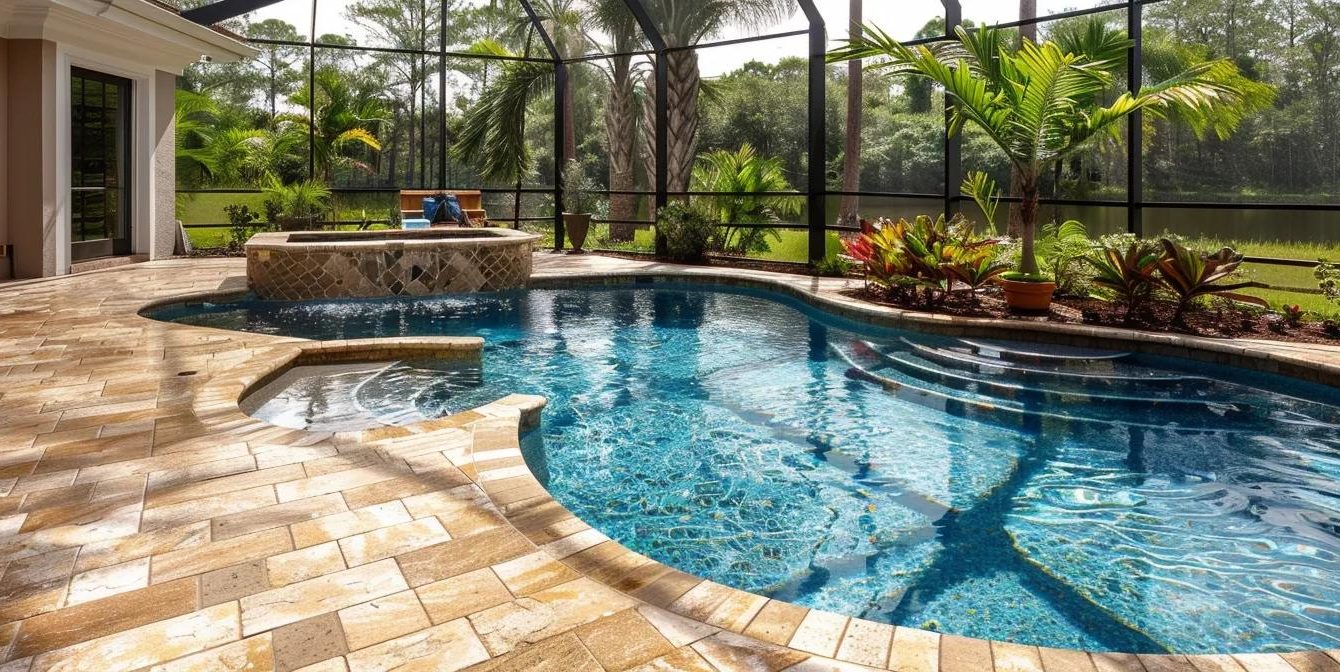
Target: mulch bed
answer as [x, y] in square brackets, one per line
[1211, 322]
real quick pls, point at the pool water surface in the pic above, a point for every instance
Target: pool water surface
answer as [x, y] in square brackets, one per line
[1056, 497]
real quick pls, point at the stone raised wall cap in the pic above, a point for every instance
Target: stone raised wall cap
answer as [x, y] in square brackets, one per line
[412, 239]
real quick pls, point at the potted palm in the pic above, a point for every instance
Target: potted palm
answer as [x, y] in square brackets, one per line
[298, 206]
[1041, 103]
[579, 204]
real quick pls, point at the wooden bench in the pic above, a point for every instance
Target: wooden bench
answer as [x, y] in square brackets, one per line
[472, 202]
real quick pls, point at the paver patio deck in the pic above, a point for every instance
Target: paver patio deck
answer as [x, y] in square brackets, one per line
[146, 523]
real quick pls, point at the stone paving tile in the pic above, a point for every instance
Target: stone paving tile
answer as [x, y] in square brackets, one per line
[623, 640]
[308, 642]
[392, 541]
[462, 555]
[462, 595]
[148, 644]
[820, 633]
[304, 563]
[679, 660]
[298, 601]
[279, 515]
[232, 583]
[866, 643]
[89, 620]
[1312, 661]
[729, 652]
[219, 554]
[253, 654]
[916, 650]
[530, 619]
[776, 622]
[532, 573]
[447, 647]
[382, 619]
[348, 524]
[96, 584]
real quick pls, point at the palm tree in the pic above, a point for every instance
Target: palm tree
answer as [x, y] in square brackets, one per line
[746, 181]
[624, 34]
[345, 121]
[684, 23]
[1040, 103]
[851, 154]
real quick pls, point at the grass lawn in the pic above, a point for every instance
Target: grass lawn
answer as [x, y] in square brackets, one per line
[1285, 281]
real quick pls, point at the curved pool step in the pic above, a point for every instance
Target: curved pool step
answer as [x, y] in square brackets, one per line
[1016, 414]
[955, 359]
[908, 364]
[1041, 352]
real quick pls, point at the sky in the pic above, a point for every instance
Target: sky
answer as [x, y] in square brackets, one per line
[900, 18]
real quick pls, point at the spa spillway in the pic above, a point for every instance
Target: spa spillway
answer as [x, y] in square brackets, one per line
[361, 264]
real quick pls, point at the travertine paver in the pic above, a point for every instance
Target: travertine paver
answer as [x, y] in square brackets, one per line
[145, 523]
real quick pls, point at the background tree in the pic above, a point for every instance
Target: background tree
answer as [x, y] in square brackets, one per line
[280, 64]
[849, 210]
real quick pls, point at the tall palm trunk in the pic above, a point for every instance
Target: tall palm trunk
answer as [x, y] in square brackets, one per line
[1028, 9]
[849, 210]
[685, 82]
[621, 129]
[569, 123]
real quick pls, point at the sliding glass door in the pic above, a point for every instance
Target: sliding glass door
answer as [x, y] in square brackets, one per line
[100, 165]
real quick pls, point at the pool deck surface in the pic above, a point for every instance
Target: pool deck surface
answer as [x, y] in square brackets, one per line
[147, 523]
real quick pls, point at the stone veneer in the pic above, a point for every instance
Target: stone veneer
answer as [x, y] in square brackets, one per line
[363, 264]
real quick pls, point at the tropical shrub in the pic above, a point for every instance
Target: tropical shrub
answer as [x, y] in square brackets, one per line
[687, 231]
[832, 267]
[241, 226]
[579, 197]
[748, 181]
[1061, 249]
[1191, 275]
[298, 206]
[927, 254]
[1328, 279]
[1127, 276]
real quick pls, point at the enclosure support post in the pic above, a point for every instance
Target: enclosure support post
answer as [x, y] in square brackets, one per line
[560, 85]
[311, 99]
[954, 144]
[442, 99]
[649, 30]
[818, 133]
[1135, 128]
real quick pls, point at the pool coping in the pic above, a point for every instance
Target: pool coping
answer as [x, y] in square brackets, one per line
[493, 461]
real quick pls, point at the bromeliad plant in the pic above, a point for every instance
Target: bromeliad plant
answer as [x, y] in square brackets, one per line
[1191, 275]
[931, 255]
[1041, 103]
[1128, 275]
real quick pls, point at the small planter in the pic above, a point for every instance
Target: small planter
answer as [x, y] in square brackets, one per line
[576, 226]
[1030, 296]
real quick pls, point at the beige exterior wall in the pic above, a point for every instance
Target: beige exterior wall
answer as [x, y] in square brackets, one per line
[31, 199]
[6, 260]
[164, 187]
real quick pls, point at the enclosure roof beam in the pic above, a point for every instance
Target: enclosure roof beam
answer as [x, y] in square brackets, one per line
[648, 26]
[218, 12]
[539, 30]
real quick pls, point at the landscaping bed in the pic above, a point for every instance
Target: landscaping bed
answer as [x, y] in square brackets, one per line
[1222, 320]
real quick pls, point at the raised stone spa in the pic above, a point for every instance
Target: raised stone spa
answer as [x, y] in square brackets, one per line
[296, 266]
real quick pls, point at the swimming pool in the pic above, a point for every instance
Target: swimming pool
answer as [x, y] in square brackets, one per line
[1054, 496]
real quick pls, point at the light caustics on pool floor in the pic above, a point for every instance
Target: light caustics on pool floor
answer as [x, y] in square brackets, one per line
[1063, 498]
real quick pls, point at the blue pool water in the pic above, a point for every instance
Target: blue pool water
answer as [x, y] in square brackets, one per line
[1060, 498]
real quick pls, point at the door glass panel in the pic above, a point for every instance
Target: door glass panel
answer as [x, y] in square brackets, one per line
[99, 141]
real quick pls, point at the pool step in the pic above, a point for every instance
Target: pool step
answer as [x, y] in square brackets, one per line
[913, 366]
[1040, 353]
[955, 359]
[866, 365]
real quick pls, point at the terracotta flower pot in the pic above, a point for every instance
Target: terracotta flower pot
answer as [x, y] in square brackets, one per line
[576, 226]
[1035, 296]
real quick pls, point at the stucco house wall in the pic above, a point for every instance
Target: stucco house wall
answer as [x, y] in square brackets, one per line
[42, 41]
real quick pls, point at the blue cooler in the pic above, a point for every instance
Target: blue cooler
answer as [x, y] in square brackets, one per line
[415, 224]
